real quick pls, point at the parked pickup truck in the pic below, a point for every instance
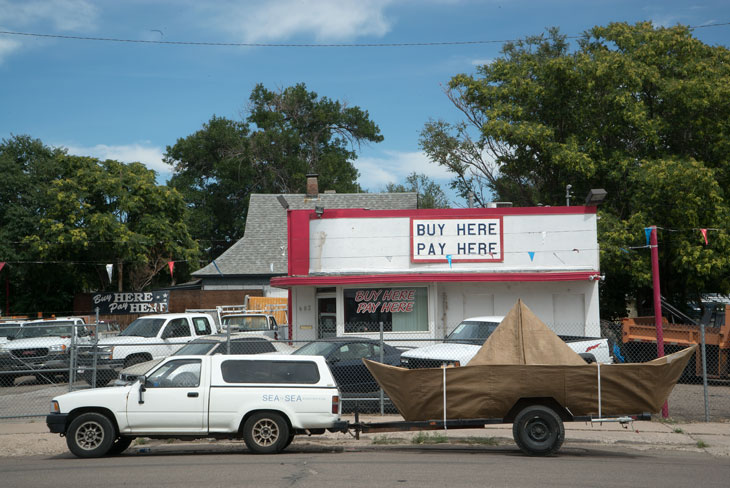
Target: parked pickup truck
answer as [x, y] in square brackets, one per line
[257, 323]
[264, 399]
[148, 337]
[41, 348]
[465, 340]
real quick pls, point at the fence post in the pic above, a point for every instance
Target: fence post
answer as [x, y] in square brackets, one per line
[704, 370]
[94, 350]
[382, 396]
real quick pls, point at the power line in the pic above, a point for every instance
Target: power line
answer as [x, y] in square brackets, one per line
[289, 45]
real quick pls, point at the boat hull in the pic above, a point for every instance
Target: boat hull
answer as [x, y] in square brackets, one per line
[490, 391]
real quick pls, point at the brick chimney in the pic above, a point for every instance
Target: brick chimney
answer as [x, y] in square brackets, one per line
[312, 186]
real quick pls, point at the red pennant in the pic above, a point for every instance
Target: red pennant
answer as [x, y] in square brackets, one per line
[171, 265]
[2, 265]
[704, 234]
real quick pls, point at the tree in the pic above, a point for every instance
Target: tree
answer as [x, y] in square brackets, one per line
[430, 195]
[110, 212]
[285, 135]
[627, 102]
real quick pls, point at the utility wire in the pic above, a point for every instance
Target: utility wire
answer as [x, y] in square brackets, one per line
[288, 45]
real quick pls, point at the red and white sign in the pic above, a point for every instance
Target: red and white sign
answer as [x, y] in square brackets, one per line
[441, 240]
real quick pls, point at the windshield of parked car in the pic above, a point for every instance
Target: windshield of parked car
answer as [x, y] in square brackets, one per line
[8, 331]
[315, 349]
[196, 348]
[143, 327]
[30, 331]
[472, 331]
[250, 322]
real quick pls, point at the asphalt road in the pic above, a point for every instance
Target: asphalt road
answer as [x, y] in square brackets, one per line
[381, 466]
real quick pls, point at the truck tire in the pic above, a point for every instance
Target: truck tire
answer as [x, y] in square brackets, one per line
[120, 445]
[90, 435]
[538, 430]
[266, 433]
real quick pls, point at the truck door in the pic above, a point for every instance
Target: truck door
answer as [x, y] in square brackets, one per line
[174, 399]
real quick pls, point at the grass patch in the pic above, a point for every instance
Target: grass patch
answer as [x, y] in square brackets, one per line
[479, 441]
[382, 440]
[141, 441]
[426, 438]
[678, 431]
[701, 444]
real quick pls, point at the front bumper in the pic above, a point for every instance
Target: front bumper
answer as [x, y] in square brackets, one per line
[56, 422]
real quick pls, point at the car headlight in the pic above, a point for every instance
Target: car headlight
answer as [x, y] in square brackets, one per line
[106, 352]
[57, 348]
[4, 352]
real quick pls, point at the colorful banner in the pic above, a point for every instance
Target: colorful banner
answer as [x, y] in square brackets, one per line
[704, 234]
[131, 302]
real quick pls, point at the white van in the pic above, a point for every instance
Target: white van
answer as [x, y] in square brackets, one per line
[264, 399]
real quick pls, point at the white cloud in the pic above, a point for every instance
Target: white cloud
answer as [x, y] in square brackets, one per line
[394, 166]
[481, 62]
[326, 20]
[7, 47]
[151, 156]
[65, 15]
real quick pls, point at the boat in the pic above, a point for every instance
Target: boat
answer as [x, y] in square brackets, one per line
[524, 360]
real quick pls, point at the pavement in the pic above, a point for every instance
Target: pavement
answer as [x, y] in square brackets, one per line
[26, 438]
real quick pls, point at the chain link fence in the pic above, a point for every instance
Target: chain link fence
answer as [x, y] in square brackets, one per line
[47, 360]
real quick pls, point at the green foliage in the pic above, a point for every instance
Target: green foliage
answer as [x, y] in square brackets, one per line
[428, 438]
[286, 135]
[637, 110]
[63, 217]
[430, 195]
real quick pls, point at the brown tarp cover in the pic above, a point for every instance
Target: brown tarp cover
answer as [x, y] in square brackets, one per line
[523, 358]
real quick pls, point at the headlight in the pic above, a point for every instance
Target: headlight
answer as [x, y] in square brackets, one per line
[106, 352]
[54, 407]
[57, 348]
[4, 352]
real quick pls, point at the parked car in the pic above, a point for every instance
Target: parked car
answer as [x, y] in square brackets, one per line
[41, 349]
[344, 356]
[460, 346]
[209, 346]
[264, 399]
[148, 337]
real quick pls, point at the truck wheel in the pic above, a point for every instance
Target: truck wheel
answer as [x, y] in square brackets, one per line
[288, 441]
[265, 433]
[538, 430]
[90, 435]
[120, 445]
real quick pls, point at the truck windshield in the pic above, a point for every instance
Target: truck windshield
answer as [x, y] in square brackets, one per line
[473, 332]
[143, 327]
[196, 349]
[45, 331]
[6, 331]
[250, 322]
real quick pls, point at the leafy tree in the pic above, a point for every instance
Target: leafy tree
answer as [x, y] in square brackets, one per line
[637, 110]
[111, 212]
[430, 195]
[286, 134]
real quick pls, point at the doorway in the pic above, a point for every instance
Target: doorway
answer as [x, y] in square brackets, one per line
[326, 316]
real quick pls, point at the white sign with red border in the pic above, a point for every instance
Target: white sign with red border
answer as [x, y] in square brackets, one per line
[441, 240]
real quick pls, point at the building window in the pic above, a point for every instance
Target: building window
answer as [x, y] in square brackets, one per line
[400, 309]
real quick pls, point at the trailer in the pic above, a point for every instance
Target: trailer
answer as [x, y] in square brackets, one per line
[537, 426]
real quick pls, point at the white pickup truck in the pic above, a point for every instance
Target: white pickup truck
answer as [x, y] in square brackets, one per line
[146, 338]
[464, 341]
[265, 399]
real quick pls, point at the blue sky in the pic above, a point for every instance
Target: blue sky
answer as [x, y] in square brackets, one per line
[128, 101]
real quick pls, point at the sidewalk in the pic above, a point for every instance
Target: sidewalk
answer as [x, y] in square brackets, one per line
[29, 438]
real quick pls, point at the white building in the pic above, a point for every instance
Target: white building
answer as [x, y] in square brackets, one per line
[421, 272]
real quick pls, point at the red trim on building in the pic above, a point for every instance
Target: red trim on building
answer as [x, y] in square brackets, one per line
[379, 279]
[298, 242]
[454, 213]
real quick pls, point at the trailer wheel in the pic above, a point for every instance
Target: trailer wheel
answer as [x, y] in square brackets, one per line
[90, 435]
[266, 433]
[538, 430]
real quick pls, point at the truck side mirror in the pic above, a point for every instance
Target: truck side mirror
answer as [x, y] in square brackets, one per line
[142, 388]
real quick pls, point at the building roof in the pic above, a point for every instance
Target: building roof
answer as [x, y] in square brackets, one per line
[263, 248]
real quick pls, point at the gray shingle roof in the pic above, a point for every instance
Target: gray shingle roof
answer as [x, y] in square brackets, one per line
[263, 248]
